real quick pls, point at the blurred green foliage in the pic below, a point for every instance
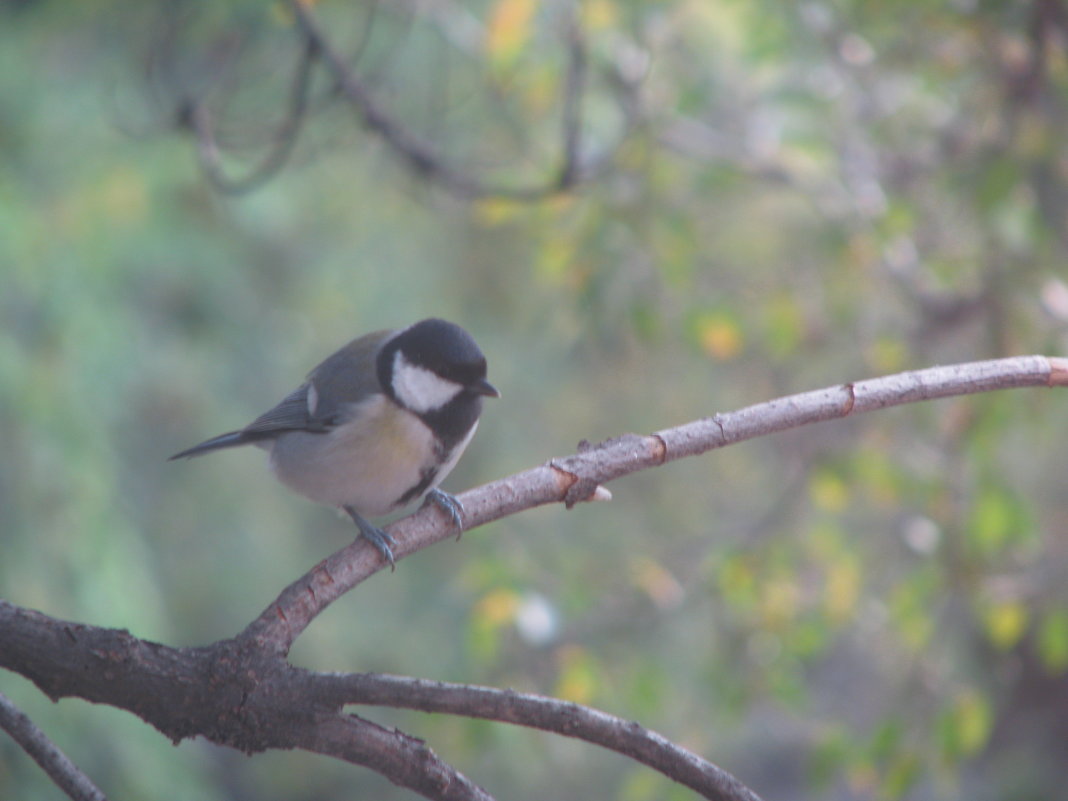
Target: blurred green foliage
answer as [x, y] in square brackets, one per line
[812, 193]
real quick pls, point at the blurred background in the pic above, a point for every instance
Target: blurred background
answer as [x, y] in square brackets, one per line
[653, 211]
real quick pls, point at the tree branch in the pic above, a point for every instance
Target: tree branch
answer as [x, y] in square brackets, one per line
[198, 118]
[577, 478]
[252, 700]
[228, 692]
[424, 159]
[45, 753]
[243, 694]
[405, 760]
[548, 714]
[184, 83]
[574, 91]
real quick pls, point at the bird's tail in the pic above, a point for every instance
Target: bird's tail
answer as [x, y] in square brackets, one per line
[229, 440]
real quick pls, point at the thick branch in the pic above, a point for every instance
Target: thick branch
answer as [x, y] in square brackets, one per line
[45, 753]
[231, 694]
[252, 700]
[242, 693]
[577, 478]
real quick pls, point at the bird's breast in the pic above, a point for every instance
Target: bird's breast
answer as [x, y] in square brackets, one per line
[371, 461]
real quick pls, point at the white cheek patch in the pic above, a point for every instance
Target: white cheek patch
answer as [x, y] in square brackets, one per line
[419, 389]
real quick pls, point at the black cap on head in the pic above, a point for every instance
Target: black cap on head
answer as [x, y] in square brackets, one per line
[447, 350]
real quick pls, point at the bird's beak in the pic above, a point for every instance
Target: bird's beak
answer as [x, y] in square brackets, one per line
[484, 387]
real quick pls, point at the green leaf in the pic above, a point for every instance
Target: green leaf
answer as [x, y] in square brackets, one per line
[1053, 641]
[901, 775]
[965, 726]
[998, 520]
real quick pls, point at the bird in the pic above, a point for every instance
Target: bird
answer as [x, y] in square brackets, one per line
[377, 425]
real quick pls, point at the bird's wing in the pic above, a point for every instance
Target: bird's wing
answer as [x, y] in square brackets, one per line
[295, 412]
[342, 380]
[338, 384]
[346, 378]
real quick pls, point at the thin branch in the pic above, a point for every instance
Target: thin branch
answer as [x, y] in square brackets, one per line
[548, 714]
[406, 761]
[419, 155]
[577, 478]
[196, 115]
[423, 158]
[45, 753]
[574, 89]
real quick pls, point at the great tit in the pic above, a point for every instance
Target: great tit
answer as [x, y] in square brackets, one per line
[377, 425]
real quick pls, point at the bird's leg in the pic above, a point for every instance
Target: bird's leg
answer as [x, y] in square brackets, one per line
[374, 535]
[450, 505]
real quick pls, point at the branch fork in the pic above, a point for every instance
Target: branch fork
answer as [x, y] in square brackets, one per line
[243, 693]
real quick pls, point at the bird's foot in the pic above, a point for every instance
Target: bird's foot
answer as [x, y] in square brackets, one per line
[374, 535]
[450, 505]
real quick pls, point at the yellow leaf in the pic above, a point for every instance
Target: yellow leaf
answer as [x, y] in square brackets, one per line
[494, 610]
[509, 29]
[842, 588]
[282, 14]
[719, 335]
[780, 602]
[1005, 624]
[558, 265]
[968, 724]
[497, 608]
[737, 581]
[578, 675]
[657, 582]
[829, 493]
[494, 211]
[598, 15]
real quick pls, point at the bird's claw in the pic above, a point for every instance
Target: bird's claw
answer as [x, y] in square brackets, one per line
[374, 535]
[450, 505]
[381, 540]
